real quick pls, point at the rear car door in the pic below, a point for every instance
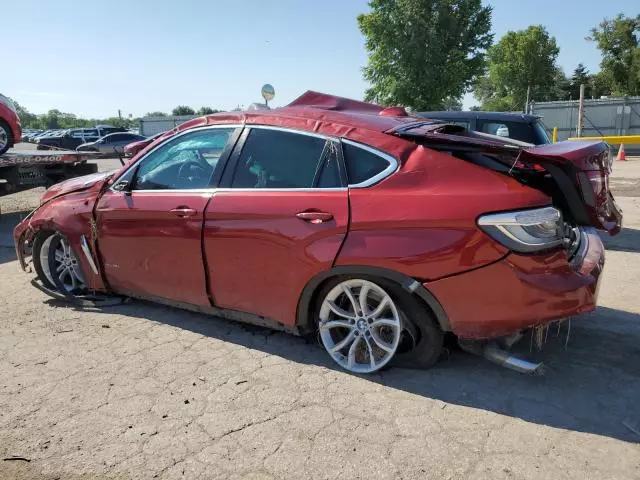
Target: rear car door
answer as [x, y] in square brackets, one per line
[280, 219]
[150, 221]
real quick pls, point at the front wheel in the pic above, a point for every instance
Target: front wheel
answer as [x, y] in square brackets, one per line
[6, 137]
[365, 324]
[57, 265]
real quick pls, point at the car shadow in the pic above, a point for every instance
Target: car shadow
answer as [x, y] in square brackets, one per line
[590, 385]
[8, 221]
[628, 240]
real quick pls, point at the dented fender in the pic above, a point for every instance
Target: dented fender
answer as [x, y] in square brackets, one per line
[71, 215]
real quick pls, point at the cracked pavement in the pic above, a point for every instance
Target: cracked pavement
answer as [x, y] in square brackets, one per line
[146, 391]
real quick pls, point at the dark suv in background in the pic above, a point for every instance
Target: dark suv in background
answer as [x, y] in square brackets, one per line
[74, 137]
[518, 126]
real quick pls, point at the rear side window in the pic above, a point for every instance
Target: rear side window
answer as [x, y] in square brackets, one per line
[362, 165]
[281, 160]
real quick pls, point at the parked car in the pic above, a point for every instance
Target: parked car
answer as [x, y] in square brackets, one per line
[27, 133]
[107, 129]
[67, 139]
[32, 135]
[72, 138]
[377, 231]
[110, 144]
[48, 133]
[133, 148]
[518, 126]
[10, 127]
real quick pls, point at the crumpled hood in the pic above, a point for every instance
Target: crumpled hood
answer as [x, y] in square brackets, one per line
[74, 185]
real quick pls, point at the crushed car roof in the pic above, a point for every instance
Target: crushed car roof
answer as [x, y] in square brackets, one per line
[320, 107]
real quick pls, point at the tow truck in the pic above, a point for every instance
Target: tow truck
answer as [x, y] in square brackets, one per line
[20, 170]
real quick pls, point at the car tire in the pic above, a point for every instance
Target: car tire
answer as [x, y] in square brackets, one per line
[45, 246]
[5, 131]
[420, 340]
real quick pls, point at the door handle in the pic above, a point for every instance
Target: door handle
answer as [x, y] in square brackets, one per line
[184, 212]
[315, 217]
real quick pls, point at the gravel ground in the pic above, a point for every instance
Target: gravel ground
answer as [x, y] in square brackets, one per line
[145, 391]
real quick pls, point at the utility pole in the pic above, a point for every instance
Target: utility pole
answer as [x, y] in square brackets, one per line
[580, 112]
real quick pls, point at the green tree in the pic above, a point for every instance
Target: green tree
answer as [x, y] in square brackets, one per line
[453, 104]
[579, 77]
[520, 60]
[156, 114]
[52, 119]
[27, 119]
[600, 84]
[618, 40]
[183, 110]
[422, 52]
[561, 88]
[207, 111]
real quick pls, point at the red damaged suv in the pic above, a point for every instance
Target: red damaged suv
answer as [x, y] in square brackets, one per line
[10, 127]
[376, 230]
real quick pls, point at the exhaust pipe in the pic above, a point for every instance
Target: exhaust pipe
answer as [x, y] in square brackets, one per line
[495, 354]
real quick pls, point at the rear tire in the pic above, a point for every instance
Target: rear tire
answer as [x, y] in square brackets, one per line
[418, 344]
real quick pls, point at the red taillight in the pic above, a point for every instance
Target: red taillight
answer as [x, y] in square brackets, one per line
[528, 166]
[594, 185]
[602, 209]
[599, 182]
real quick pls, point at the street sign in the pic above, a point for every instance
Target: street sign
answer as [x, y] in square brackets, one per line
[268, 92]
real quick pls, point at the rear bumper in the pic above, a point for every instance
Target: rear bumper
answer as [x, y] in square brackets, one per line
[522, 291]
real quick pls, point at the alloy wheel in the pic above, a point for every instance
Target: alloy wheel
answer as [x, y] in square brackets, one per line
[4, 138]
[360, 325]
[65, 265]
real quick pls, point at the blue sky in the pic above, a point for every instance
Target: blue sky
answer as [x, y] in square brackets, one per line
[93, 58]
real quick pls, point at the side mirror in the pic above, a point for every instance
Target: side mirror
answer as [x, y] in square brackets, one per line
[122, 186]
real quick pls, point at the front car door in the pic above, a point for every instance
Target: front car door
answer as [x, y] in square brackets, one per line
[279, 220]
[150, 221]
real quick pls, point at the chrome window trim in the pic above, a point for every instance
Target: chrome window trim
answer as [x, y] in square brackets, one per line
[177, 135]
[173, 190]
[393, 164]
[226, 190]
[290, 130]
[332, 189]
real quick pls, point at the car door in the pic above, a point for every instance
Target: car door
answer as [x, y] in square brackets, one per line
[279, 220]
[150, 220]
